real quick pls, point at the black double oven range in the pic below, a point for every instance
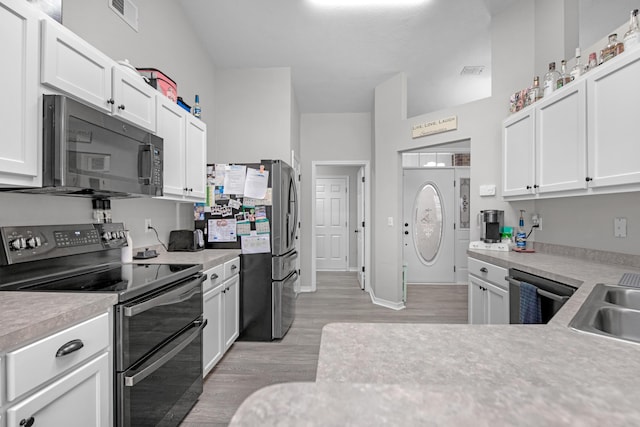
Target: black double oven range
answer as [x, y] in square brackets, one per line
[157, 330]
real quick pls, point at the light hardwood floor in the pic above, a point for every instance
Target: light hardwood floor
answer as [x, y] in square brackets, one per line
[250, 366]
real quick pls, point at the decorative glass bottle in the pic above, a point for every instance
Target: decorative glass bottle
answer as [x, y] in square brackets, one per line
[550, 79]
[534, 92]
[632, 37]
[564, 78]
[577, 69]
[613, 48]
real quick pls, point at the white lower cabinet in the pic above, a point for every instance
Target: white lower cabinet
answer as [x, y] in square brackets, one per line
[221, 302]
[78, 399]
[488, 293]
[64, 379]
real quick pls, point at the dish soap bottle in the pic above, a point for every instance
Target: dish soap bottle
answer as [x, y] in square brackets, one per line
[521, 235]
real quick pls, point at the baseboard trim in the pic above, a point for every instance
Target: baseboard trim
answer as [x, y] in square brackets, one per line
[385, 303]
[305, 289]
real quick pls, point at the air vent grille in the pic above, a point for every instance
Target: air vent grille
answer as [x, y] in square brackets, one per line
[126, 10]
[472, 70]
[118, 5]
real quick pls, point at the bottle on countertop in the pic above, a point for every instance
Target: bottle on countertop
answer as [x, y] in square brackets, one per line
[577, 69]
[535, 93]
[196, 107]
[521, 235]
[632, 37]
[564, 77]
[550, 80]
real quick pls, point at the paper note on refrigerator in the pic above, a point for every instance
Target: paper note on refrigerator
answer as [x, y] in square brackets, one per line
[256, 244]
[222, 230]
[234, 178]
[255, 186]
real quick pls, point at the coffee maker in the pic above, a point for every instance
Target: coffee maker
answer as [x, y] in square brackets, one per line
[492, 223]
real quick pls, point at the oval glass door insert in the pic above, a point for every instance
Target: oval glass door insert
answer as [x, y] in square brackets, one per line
[428, 223]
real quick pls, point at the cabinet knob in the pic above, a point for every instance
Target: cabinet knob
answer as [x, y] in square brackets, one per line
[588, 179]
[536, 186]
[27, 422]
[406, 232]
[484, 270]
[528, 187]
[111, 101]
[121, 107]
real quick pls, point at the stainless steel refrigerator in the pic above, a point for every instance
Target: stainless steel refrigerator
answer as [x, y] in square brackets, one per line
[268, 281]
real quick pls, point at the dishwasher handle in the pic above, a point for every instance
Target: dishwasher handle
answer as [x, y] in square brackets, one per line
[546, 294]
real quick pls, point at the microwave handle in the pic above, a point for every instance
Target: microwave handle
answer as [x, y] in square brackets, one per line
[145, 163]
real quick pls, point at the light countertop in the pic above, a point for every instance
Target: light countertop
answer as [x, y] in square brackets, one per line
[28, 316]
[481, 375]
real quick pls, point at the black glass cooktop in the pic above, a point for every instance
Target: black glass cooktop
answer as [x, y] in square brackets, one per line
[127, 280]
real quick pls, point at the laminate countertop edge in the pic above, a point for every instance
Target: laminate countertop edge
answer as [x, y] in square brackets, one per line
[484, 375]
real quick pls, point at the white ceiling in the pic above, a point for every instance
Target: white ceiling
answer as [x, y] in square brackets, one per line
[339, 55]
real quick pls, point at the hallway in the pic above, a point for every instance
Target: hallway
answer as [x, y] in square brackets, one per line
[249, 366]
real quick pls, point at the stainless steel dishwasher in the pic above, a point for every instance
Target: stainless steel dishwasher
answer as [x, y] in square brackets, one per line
[552, 294]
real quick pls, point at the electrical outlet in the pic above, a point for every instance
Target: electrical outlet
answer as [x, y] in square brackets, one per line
[620, 227]
[147, 225]
[536, 221]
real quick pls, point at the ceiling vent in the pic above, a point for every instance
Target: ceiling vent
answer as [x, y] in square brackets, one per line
[472, 70]
[126, 10]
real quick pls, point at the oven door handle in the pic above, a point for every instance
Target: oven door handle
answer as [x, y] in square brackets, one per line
[172, 297]
[130, 381]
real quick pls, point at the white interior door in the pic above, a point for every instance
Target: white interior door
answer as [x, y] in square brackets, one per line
[428, 225]
[360, 224]
[331, 224]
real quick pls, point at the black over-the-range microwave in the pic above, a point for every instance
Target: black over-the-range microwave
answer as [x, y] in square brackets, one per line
[86, 152]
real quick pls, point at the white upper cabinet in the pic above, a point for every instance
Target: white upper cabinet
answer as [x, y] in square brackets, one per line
[582, 139]
[185, 152]
[614, 144]
[518, 154]
[561, 154]
[135, 100]
[19, 136]
[73, 66]
[196, 157]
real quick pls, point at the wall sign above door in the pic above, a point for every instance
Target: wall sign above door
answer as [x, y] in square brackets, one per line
[437, 126]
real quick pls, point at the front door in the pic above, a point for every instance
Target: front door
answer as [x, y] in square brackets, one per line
[428, 225]
[331, 224]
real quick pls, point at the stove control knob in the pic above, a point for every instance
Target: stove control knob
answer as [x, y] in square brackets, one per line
[18, 244]
[33, 242]
[106, 235]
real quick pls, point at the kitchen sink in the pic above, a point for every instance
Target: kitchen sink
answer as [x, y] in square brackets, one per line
[625, 297]
[612, 311]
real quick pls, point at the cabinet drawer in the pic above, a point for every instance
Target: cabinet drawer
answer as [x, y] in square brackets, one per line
[231, 268]
[34, 364]
[489, 272]
[215, 276]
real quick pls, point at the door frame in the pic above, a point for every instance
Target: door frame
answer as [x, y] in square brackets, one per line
[347, 225]
[367, 215]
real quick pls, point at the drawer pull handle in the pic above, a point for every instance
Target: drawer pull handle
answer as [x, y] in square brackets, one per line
[233, 267]
[214, 276]
[70, 347]
[28, 422]
[484, 270]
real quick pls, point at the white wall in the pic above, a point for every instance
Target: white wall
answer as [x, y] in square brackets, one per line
[327, 137]
[165, 41]
[253, 115]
